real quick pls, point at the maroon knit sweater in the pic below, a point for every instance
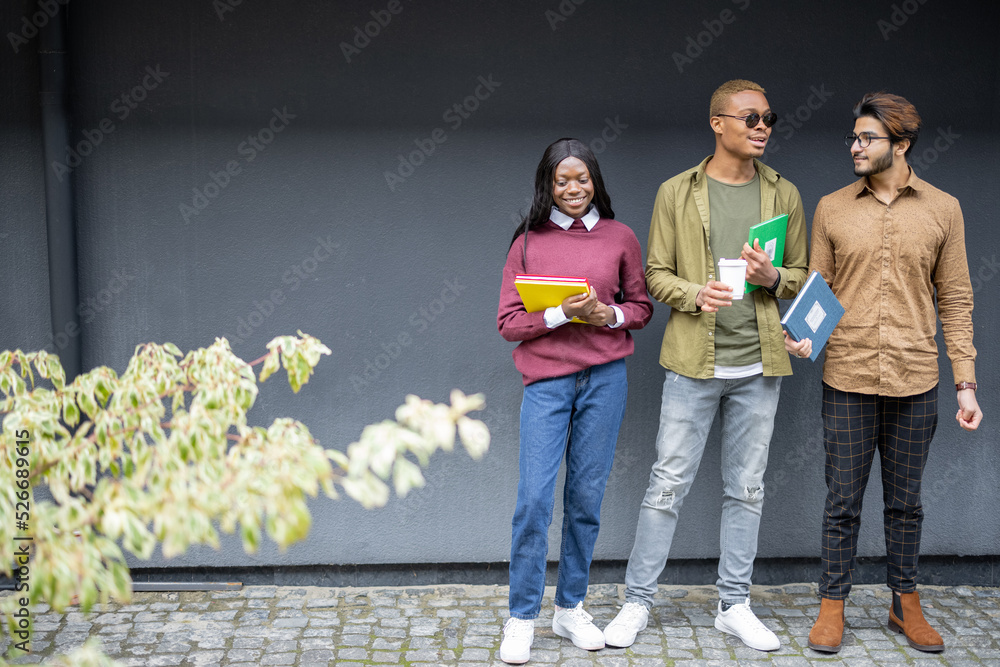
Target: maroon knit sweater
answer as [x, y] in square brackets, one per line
[609, 256]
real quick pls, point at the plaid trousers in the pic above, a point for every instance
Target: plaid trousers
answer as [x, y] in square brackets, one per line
[854, 425]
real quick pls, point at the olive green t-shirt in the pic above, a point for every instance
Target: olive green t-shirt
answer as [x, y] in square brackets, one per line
[733, 209]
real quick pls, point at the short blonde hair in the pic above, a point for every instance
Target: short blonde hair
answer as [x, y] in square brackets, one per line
[722, 94]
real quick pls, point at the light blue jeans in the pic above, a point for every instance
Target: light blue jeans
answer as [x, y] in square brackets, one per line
[576, 416]
[746, 407]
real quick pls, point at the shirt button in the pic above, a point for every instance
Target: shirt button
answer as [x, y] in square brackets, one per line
[710, 333]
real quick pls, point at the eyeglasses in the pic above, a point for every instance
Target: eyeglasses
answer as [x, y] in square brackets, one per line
[863, 139]
[751, 119]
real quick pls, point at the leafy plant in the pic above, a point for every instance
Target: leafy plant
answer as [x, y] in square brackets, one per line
[163, 454]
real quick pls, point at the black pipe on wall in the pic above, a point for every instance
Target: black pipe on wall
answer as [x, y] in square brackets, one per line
[54, 98]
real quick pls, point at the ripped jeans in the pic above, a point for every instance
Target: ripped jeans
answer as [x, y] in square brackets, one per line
[688, 408]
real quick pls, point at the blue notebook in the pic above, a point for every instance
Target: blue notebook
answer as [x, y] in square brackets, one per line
[814, 314]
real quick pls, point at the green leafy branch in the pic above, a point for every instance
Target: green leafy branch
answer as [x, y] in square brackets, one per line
[163, 454]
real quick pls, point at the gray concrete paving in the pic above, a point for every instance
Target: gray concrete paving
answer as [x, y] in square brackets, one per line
[460, 625]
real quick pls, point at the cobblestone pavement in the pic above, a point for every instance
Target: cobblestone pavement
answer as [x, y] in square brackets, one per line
[460, 625]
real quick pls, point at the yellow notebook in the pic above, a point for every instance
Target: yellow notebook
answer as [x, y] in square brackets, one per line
[541, 292]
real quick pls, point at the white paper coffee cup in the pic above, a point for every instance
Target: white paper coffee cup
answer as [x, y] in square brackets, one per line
[733, 272]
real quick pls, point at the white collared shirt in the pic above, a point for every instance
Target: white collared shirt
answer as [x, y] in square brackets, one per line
[554, 316]
[589, 219]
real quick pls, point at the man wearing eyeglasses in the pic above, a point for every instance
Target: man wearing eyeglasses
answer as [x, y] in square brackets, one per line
[885, 244]
[722, 355]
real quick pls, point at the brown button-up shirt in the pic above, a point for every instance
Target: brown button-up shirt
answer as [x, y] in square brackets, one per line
[884, 261]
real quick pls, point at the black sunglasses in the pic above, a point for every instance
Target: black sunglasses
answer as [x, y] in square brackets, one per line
[751, 119]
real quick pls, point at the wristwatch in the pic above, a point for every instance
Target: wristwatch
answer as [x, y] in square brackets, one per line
[775, 285]
[965, 385]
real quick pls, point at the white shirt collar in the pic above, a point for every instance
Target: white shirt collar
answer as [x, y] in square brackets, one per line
[564, 221]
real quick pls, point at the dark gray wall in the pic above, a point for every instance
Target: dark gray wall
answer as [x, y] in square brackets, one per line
[310, 235]
[24, 306]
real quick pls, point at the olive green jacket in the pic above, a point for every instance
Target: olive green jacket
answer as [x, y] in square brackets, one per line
[679, 263]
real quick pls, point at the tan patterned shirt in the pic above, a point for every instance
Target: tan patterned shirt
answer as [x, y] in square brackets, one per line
[884, 261]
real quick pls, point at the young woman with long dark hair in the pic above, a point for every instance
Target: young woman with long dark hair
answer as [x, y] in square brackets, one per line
[575, 385]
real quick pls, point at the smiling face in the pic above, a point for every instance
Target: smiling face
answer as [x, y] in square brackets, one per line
[877, 156]
[734, 137]
[572, 189]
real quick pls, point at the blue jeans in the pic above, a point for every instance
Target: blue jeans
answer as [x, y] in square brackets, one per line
[576, 415]
[688, 408]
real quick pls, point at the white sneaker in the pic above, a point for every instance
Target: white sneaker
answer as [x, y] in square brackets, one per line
[631, 620]
[738, 620]
[518, 635]
[575, 624]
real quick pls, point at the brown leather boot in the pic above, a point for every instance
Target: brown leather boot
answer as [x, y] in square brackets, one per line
[906, 618]
[827, 633]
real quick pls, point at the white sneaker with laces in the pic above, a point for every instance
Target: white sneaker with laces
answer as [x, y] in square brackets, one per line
[518, 635]
[630, 621]
[575, 624]
[740, 621]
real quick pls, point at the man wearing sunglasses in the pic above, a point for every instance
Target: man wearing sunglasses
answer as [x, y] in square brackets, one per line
[885, 244]
[722, 355]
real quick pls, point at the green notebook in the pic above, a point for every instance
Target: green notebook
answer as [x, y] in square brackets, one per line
[770, 234]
